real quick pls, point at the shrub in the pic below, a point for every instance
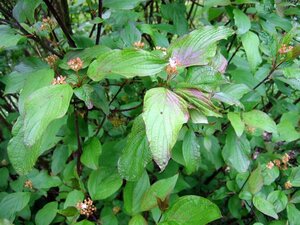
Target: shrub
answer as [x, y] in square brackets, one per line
[149, 112]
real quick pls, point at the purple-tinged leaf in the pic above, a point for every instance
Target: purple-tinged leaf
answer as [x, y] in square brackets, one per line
[164, 114]
[199, 46]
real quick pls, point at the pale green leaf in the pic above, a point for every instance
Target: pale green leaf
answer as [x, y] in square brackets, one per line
[236, 151]
[242, 21]
[260, 120]
[34, 81]
[191, 151]
[293, 214]
[294, 177]
[136, 153]
[237, 123]
[192, 210]
[265, 206]
[128, 63]
[121, 4]
[13, 203]
[278, 199]
[250, 43]
[46, 215]
[73, 198]
[255, 181]
[103, 183]
[138, 220]
[9, 37]
[42, 107]
[164, 114]
[91, 151]
[24, 9]
[133, 193]
[160, 189]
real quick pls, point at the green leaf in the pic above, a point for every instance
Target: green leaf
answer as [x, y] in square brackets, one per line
[250, 43]
[43, 181]
[73, 198]
[85, 222]
[278, 199]
[9, 37]
[205, 77]
[294, 177]
[198, 46]
[255, 181]
[86, 55]
[130, 34]
[47, 214]
[192, 210]
[5, 222]
[34, 81]
[287, 125]
[191, 152]
[42, 107]
[164, 114]
[237, 123]
[215, 3]
[108, 217]
[242, 21]
[269, 175]
[14, 82]
[175, 12]
[199, 100]
[236, 151]
[24, 9]
[128, 63]
[265, 207]
[133, 193]
[91, 151]
[293, 214]
[13, 203]
[103, 183]
[138, 220]
[121, 4]
[295, 198]
[69, 211]
[22, 157]
[160, 189]
[84, 93]
[136, 154]
[260, 120]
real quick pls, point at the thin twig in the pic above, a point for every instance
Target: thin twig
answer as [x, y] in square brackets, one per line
[100, 125]
[268, 76]
[118, 92]
[99, 26]
[236, 50]
[61, 23]
[79, 146]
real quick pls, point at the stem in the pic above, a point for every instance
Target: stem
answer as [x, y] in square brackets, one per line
[61, 24]
[99, 26]
[191, 10]
[118, 92]
[79, 150]
[236, 50]
[100, 125]
[274, 67]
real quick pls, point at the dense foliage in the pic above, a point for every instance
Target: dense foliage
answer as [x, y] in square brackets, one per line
[140, 112]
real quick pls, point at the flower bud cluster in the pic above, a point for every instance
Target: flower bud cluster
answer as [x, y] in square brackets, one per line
[75, 64]
[139, 44]
[285, 49]
[51, 60]
[59, 80]
[86, 207]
